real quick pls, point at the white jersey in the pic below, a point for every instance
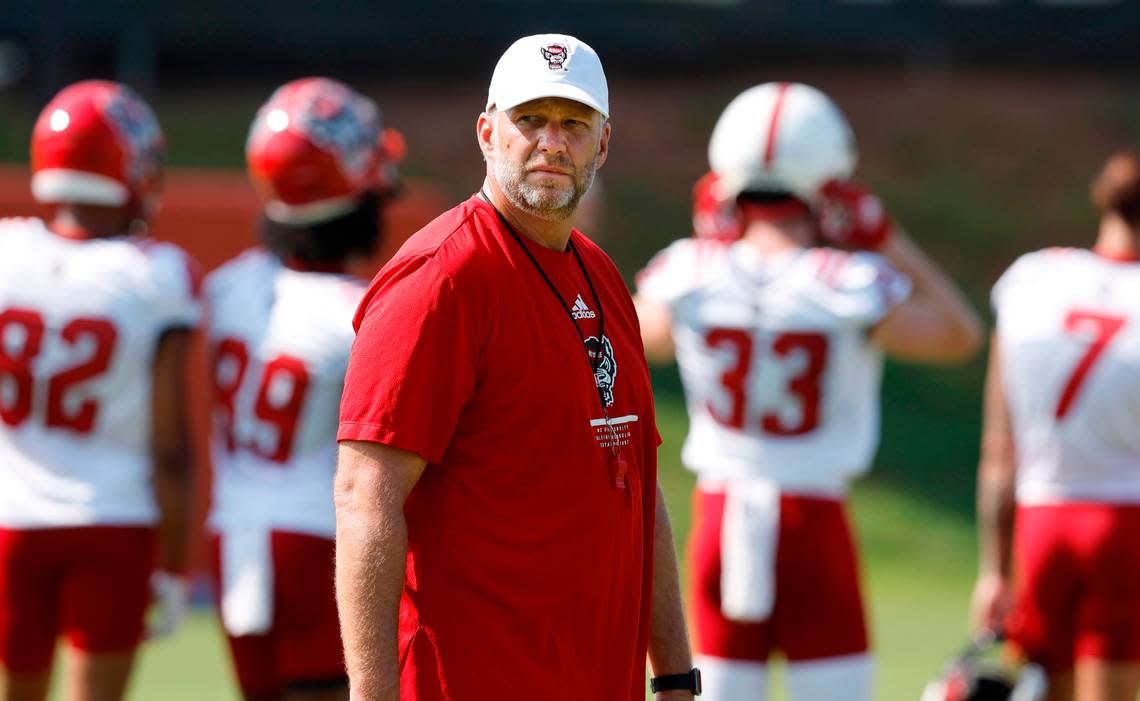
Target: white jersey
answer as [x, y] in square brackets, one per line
[80, 322]
[279, 340]
[780, 379]
[1068, 324]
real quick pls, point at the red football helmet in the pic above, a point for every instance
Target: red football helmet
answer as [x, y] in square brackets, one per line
[315, 147]
[714, 216]
[99, 143]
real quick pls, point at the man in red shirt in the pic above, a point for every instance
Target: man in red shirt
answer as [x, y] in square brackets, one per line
[500, 532]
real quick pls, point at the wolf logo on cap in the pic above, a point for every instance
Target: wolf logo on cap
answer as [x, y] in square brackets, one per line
[555, 55]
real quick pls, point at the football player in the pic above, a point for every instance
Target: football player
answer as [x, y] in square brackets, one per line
[780, 337]
[1058, 480]
[279, 333]
[95, 325]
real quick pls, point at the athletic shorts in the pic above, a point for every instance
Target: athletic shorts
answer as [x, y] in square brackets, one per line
[1077, 583]
[91, 584]
[303, 645]
[818, 609]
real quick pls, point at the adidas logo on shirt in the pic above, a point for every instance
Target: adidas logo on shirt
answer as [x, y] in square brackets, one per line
[581, 311]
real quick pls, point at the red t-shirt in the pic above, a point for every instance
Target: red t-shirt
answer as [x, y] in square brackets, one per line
[529, 565]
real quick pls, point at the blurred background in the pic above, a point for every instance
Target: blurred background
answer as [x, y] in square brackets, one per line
[979, 122]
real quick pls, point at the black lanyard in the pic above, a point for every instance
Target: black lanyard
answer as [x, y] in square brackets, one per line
[597, 361]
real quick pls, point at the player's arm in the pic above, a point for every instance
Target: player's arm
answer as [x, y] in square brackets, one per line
[656, 329]
[172, 477]
[170, 449]
[997, 470]
[936, 323]
[668, 640]
[372, 483]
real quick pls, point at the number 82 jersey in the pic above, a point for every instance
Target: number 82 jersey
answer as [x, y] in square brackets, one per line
[780, 378]
[1068, 325]
[279, 342]
[80, 323]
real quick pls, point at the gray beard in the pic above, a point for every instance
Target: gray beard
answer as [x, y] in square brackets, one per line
[543, 202]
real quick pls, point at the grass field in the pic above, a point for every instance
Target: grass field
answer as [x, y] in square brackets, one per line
[918, 560]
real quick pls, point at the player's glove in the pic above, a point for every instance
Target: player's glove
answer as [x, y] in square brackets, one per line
[171, 595]
[852, 217]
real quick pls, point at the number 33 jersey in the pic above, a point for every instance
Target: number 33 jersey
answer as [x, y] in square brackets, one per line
[80, 321]
[1068, 325]
[780, 379]
[279, 342]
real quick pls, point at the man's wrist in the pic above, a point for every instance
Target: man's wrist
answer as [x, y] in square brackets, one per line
[687, 684]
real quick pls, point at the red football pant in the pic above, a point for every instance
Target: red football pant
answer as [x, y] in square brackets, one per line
[1077, 583]
[818, 609]
[91, 584]
[303, 645]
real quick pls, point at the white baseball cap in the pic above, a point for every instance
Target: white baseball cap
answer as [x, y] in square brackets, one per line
[549, 65]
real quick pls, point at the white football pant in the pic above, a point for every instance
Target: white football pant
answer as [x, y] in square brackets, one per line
[849, 678]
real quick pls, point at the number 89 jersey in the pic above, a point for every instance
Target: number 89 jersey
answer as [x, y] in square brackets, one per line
[1068, 325]
[780, 379]
[279, 342]
[80, 321]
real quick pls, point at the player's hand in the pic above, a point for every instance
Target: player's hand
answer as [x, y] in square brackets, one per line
[851, 216]
[991, 602]
[171, 595]
[674, 695]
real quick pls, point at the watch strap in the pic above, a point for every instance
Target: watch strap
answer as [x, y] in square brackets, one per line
[689, 681]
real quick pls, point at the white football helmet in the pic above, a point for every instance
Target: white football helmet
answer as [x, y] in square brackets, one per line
[781, 138]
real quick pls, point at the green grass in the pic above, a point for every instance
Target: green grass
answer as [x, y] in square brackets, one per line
[193, 665]
[918, 564]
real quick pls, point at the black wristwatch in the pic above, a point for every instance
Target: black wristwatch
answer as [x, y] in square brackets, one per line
[689, 681]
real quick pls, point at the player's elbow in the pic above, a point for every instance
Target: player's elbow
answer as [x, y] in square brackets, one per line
[944, 344]
[957, 337]
[659, 349]
[656, 325]
[963, 338]
[961, 333]
[930, 331]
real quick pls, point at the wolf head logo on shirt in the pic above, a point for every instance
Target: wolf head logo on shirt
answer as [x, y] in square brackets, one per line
[606, 374]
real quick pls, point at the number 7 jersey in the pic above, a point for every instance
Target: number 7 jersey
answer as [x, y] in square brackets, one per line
[1068, 325]
[780, 379]
[279, 342]
[80, 321]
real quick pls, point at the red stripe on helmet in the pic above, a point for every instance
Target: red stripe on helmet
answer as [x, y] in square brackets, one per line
[770, 149]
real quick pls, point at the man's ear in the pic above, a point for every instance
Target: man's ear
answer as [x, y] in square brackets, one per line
[484, 131]
[604, 144]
